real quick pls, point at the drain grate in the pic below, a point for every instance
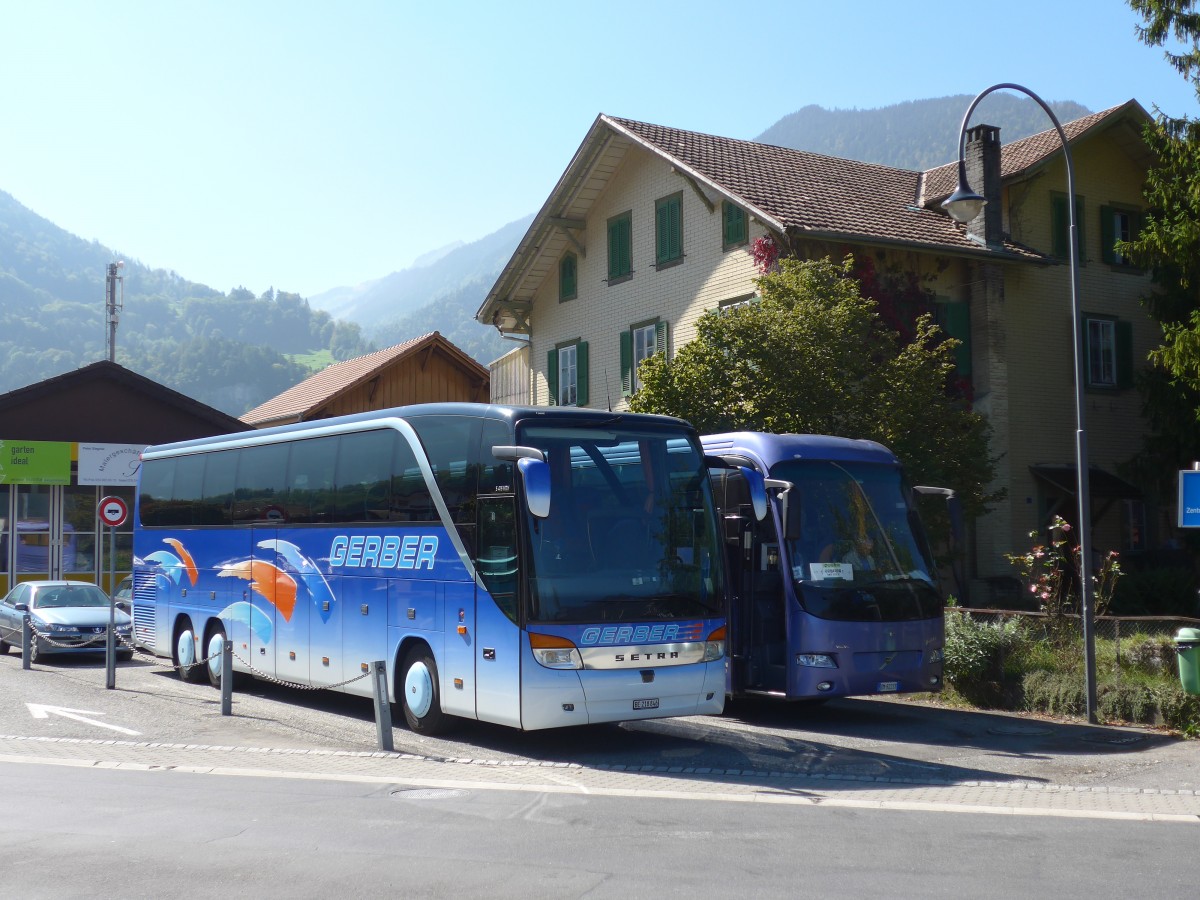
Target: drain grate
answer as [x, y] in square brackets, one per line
[1112, 738]
[427, 794]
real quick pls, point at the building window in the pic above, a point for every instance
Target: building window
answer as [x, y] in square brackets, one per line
[1118, 224]
[640, 342]
[735, 302]
[735, 232]
[1060, 226]
[1134, 525]
[620, 247]
[1109, 352]
[567, 374]
[568, 268]
[668, 229]
[954, 318]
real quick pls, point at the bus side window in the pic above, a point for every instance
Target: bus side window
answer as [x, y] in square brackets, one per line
[310, 480]
[410, 500]
[261, 494]
[363, 476]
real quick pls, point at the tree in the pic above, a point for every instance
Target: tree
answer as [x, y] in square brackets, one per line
[1169, 240]
[813, 355]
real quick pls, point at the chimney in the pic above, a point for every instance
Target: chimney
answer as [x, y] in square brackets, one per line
[983, 174]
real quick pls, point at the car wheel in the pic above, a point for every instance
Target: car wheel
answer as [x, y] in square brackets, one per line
[421, 697]
[184, 655]
[125, 655]
[4, 645]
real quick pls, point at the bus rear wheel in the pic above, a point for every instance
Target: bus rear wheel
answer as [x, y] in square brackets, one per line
[183, 654]
[420, 696]
[213, 648]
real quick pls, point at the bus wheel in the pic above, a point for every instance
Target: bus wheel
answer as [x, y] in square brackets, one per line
[184, 655]
[212, 649]
[422, 700]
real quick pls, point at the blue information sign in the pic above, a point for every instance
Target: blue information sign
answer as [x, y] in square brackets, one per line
[1189, 498]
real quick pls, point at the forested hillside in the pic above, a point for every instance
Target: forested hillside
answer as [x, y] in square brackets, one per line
[224, 350]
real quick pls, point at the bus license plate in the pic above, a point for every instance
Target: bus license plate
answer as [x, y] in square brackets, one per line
[646, 704]
[885, 686]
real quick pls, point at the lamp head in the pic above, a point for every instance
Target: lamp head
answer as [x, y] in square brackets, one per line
[964, 204]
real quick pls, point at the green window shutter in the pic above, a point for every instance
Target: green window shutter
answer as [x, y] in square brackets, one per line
[567, 277]
[1124, 338]
[626, 363]
[581, 376]
[620, 260]
[1108, 236]
[735, 224]
[552, 375]
[955, 319]
[660, 337]
[667, 217]
[1059, 225]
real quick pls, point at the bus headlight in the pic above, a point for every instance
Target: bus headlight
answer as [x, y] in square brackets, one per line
[816, 660]
[714, 647]
[555, 652]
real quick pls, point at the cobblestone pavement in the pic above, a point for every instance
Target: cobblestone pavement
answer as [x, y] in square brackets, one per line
[411, 771]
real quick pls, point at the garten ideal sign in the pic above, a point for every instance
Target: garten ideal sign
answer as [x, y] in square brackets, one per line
[35, 462]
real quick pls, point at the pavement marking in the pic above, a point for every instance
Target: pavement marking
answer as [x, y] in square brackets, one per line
[43, 711]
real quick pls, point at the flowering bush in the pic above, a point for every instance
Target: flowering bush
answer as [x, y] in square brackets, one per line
[1051, 573]
[766, 254]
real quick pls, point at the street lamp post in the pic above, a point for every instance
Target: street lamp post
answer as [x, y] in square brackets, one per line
[963, 206]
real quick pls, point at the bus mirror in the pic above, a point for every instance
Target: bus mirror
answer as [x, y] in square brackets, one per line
[536, 475]
[757, 486]
[785, 496]
[503, 451]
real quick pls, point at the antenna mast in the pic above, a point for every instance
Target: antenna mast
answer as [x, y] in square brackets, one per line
[113, 306]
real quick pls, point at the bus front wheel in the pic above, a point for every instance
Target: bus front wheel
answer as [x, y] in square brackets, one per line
[421, 698]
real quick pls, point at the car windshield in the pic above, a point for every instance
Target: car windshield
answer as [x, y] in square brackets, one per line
[856, 549]
[630, 533]
[69, 596]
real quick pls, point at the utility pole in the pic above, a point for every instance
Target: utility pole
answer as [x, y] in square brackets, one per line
[113, 306]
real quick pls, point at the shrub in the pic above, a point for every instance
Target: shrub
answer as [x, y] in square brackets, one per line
[980, 656]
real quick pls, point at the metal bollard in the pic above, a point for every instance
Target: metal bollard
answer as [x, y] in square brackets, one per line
[383, 710]
[226, 677]
[26, 640]
[110, 647]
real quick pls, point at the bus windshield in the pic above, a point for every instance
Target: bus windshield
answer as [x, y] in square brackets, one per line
[855, 547]
[629, 536]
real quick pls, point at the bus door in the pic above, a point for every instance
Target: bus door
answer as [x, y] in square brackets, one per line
[757, 620]
[498, 637]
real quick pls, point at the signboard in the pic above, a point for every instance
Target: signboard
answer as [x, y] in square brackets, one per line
[35, 462]
[112, 465]
[113, 511]
[1189, 498]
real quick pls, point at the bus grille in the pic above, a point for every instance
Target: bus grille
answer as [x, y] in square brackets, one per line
[144, 609]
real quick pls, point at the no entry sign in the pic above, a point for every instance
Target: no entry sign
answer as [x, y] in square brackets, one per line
[113, 511]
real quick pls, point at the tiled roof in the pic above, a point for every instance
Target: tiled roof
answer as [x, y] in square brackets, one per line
[1019, 155]
[810, 194]
[338, 378]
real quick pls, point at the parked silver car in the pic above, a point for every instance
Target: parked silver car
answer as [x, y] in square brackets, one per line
[67, 617]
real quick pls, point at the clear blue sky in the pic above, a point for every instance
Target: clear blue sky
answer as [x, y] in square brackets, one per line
[305, 145]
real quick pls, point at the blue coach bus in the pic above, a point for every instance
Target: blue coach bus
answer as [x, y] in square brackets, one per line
[526, 566]
[834, 593]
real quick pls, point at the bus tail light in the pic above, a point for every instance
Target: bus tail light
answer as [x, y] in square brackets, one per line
[714, 647]
[555, 652]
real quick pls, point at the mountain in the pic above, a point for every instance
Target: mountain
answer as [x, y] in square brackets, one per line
[441, 292]
[919, 134]
[224, 350]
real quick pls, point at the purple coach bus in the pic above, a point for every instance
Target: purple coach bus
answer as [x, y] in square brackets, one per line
[834, 593]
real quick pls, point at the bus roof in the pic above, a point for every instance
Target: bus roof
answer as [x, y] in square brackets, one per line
[514, 414]
[767, 450]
